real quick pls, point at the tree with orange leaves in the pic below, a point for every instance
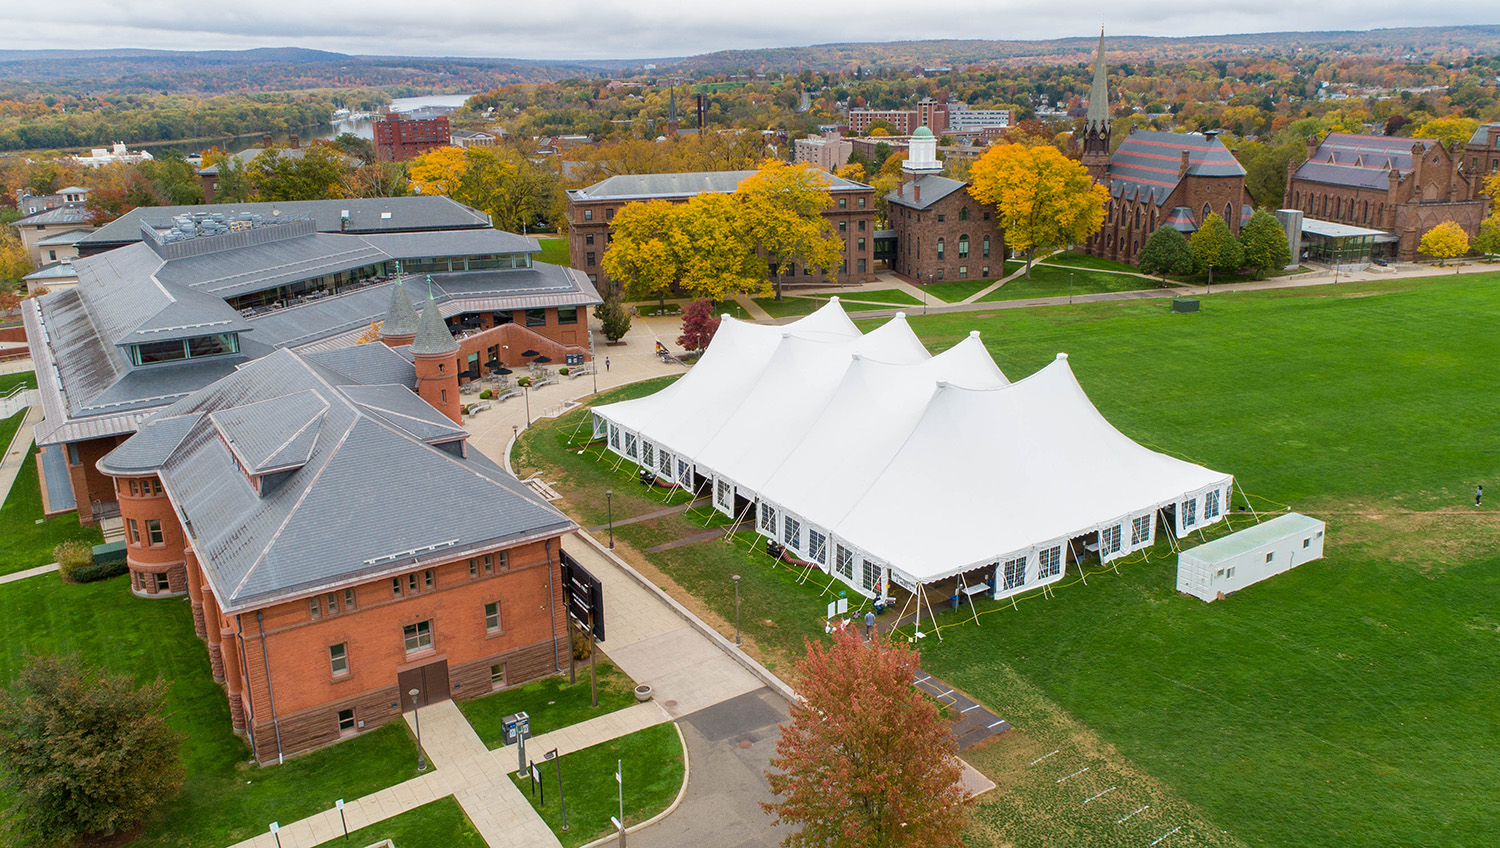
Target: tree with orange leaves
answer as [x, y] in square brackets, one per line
[1045, 199]
[866, 760]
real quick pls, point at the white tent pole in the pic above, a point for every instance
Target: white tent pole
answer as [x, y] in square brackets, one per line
[1247, 499]
[586, 420]
[935, 628]
[737, 520]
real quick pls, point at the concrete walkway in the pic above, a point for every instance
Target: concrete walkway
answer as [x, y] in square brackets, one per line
[16, 451]
[30, 572]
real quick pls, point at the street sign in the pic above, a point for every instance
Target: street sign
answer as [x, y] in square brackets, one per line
[585, 595]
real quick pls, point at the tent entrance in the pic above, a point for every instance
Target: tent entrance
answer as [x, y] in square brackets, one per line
[1083, 546]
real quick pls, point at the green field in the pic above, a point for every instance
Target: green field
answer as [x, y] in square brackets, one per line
[652, 769]
[554, 250]
[436, 824]
[224, 799]
[895, 297]
[1072, 259]
[20, 378]
[1053, 281]
[26, 539]
[551, 702]
[954, 291]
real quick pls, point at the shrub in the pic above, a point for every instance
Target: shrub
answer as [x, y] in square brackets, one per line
[71, 556]
[523, 381]
[97, 571]
[486, 394]
[562, 372]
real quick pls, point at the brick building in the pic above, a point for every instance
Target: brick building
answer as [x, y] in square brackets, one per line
[1401, 186]
[1156, 179]
[166, 316]
[398, 138]
[902, 121]
[321, 606]
[1483, 153]
[941, 231]
[591, 209]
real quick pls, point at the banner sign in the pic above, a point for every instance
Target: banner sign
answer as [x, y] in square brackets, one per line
[585, 595]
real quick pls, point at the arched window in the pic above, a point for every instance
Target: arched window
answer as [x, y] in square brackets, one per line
[1229, 216]
[941, 247]
[1135, 247]
[963, 214]
[963, 246]
[1338, 207]
[1206, 212]
[985, 246]
[1365, 218]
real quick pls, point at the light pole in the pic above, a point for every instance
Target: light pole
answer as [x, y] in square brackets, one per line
[1070, 288]
[526, 391]
[737, 610]
[417, 716]
[557, 764]
[1210, 287]
[609, 504]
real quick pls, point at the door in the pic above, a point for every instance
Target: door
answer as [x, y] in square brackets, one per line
[430, 681]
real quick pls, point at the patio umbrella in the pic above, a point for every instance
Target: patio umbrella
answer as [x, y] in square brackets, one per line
[542, 360]
[493, 363]
[504, 372]
[528, 352]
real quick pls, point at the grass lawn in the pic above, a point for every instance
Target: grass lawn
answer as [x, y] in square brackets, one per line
[788, 306]
[436, 824]
[551, 703]
[895, 297]
[1074, 259]
[25, 543]
[1049, 281]
[8, 428]
[22, 378]
[554, 250]
[652, 767]
[953, 291]
[224, 799]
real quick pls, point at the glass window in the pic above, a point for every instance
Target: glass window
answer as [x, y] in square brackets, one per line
[492, 617]
[588, 214]
[817, 546]
[861, 266]
[1014, 573]
[861, 205]
[1140, 530]
[411, 583]
[1211, 505]
[768, 518]
[1189, 512]
[155, 486]
[497, 676]
[346, 721]
[843, 561]
[134, 489]
[942, 247]
[609, 214]
[213, 345]
[427, 579]
[418, 637]
[314, 607]
[630, 445]
[963, 247]
[588, 259]
[567, 315]
[843, 203]
[338, 658]
[396, 586]
[348, 599]
[870, 574]
[162, 584]
[473, 567]
[153, 531]
[588, 239]
[861, 225]
[536, 317]
[843, 226]
[664, 464]
[985, 246]
[1109, 540]
[861, 246]
[723, 494]
[942, 217]
[1049, 562]
[963, 214]
[791, 533]
[146, 354]
[648, 454]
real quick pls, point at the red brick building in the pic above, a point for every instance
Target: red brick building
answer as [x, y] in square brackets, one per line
[941, 231]
[321, 605]
[398, 138]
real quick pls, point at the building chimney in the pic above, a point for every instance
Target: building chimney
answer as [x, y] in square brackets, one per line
[916, 192]
[1183, 167]
[294, 142]
[265, 140]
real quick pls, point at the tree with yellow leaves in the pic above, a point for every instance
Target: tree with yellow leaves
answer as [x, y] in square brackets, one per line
[720, 259]
[1450, 130]
[371, 333]
[1044, 199]
[644, 249]
[782, 208]
[1492, 190]
[1445, 241]
[439, 171]
[851, 171]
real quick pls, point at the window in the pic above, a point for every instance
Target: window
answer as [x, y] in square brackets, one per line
[1189, 512]
[963, 214]
[473, 567]
[135, 533]
[443, 395]
[492, 617]
[418, 636]
[396, 586]
[861, 205]
[942, 217]
[314, 607]
[1049, 562]
[588, 259]
[153, 531]
[1271, 556]
[411, 583]
[348, 599]
[338, 658]
[609, 214]
[843, 203]
[861, 265]
[588, 214]
[817, 546]
[1229, 573]
[614, 437]
[722, 493]
[843, 226]
[536, 317]
[963, 247]
[333, 603]
[1306, 542]
[942, 247]
[155, 487]
[1211, 505]
[162, 584]
[588, 239]
[134, 489]
[73, 454]
[844, 561]
[428, 580]
[861, 245]
[986, 216]
[567, 315]
[497, 676]
[869, 574]
[861, 225]
[1140, 530]
[504, 561]
[1109, 541]
[346, 721]
[648, 454]
[1014, 573]
[664, 462]
[791, 533]
[768, 518]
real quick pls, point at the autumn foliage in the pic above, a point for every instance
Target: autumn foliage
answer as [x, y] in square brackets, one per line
[1045, 200]
[866, 760]
[698, 325]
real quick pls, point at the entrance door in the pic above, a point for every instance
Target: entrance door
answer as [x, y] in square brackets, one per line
[430, 681]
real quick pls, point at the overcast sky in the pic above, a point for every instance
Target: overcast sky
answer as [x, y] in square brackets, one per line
[595, 29]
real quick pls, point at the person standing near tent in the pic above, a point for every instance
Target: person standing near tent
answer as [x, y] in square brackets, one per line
[869, 624]
[1478, 494]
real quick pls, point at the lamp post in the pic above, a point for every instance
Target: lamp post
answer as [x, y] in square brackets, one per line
[1070, 288]
[1210, 287]
[737, 610]
[526, 392]
[609, 504]
[417, 716]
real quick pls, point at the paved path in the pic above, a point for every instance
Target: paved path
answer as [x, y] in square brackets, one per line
[30, 572]
[973, 722]
[17, 450]
[660, 513]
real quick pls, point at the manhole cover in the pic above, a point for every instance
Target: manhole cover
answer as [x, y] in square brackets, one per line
[671, 705]
[745, 743]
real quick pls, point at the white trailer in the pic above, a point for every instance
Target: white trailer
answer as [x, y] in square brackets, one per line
[1227, 565]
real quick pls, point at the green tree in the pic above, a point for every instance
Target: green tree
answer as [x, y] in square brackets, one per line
[1444, 242]
[866, 761]
[1166, 252]
[783, 208]
[83, 752]
[1264, 245]
[614, 321]
[1214, 246]
[1488, 240]
[1450, 130]
[1045, 200]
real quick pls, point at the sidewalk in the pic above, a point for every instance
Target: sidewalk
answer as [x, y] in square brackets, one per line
[17, 450]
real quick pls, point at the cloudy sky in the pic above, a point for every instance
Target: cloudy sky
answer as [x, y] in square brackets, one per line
[593, 29]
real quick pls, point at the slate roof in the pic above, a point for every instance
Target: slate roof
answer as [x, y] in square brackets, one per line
[400, 316]
[934, 188]
[433, 335]
[64, 238]
[70, 214]
[370, 364]
[1481, 136]
[1360, 161]
[60, 270]
[1146, 164]
[645, 186]
[399, 406]
[1181, 219]
[373, 215]
[272, 435]
[319, 529]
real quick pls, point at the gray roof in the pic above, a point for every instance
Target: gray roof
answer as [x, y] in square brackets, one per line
[70, 214]
[319, 528]
[1481, 136]
[1362, 161]
[274, 434]
[1146, 165]
[373, 215]
[1098, 114]
[642, 186]
[400, 316]
[151, 445]
[399, 406]
[433, 335]
[64, 238]
[61, 270]
[452, 243]
[370, 364]
[934, 188]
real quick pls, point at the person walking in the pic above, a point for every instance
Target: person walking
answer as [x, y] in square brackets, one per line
[606, 365]
[869, 624]
[1478, 494]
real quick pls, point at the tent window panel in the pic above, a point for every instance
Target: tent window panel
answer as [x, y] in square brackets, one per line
[614, 437]
[666, 463]
[1211, 505]
[683, 475]
[870, 577]
[1109, 540]
[648, 454]
[768, 518]
[1015, 572]
[1140, 530]
[723, 495]
[599, 426]
[630, 445]
[791, 533]
[817, 546]
[1049, 562]
[844, 562]
[1189, 512]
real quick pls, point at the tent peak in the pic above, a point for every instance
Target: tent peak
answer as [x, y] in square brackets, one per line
[834, 299]
[901, 315]
[1062, 356]
[973, 334]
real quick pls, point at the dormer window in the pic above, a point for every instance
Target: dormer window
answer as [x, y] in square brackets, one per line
[197, 347]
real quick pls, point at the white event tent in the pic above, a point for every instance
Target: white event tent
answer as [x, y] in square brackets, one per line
[882, 463]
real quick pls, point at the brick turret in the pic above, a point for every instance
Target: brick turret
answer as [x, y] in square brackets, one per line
[435, 353]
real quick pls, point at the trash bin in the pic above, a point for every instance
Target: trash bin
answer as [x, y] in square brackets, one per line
[953, 601]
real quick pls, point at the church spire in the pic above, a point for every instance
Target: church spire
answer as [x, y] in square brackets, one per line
[1098, 117]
